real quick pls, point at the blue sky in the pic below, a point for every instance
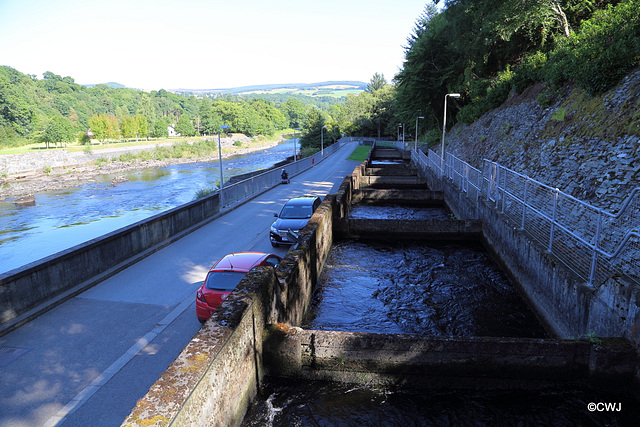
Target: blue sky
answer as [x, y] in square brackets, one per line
[198, 44]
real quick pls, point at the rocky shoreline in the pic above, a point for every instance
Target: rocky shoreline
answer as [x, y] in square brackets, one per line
[58, 169]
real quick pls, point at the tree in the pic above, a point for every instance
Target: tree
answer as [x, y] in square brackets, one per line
[104, 127]
[57, 129]
[184, 126]
[128, 127]
[160, 129]
[295, 111]
[377, 82]
[141, 126]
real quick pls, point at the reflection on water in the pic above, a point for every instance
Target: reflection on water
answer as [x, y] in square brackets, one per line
[315, 403]
[62, 219]
[439, 290]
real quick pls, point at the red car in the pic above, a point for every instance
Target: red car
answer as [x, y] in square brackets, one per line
[224, 276]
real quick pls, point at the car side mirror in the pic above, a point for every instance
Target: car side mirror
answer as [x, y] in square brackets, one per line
[276, 215]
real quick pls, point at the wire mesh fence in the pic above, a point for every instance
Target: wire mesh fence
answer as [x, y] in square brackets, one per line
[593, 243]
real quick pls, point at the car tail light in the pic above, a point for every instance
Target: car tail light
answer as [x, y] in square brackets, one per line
[200, 296]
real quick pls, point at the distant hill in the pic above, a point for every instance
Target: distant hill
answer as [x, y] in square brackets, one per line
[110, 84]
[329, 86]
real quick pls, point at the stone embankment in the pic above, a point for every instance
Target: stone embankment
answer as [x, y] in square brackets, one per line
[25, 174]
[585, 146]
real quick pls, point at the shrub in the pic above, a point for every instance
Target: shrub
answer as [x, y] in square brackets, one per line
[602, 51]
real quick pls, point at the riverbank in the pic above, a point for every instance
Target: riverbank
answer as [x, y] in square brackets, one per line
[26, 174]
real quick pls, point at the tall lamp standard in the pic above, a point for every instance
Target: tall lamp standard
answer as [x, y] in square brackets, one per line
[416, 143]
[444, 127]
[322, 141]
[295, 149]
[220, 163]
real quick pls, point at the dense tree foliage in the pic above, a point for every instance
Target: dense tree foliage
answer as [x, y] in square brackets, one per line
[490, 49]
[29, 105]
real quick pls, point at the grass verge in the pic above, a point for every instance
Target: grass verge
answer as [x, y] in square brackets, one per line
[360, 154]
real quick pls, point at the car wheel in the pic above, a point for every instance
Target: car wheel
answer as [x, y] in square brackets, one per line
[202, 320]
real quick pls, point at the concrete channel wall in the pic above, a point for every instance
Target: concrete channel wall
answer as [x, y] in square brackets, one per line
[566, 303]
[417, 362]
[254, 333]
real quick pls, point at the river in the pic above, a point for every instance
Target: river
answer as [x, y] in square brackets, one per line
[62, 219]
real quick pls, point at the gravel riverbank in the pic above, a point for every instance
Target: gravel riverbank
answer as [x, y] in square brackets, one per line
[26, 174]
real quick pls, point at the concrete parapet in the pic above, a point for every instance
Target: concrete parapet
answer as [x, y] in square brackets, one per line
[29, 290]
[425, 362]
[218, 374]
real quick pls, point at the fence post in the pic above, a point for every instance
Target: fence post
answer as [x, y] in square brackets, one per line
[553, 221]
[524, 204]
[596, 244]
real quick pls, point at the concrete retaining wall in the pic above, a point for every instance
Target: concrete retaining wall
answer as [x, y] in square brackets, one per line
[442, 362]
[61, 276]
[567, 304]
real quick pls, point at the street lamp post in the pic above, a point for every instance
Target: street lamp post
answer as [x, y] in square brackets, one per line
[322, 141]
[220, 163]
[444, 127]
[416, 143]
[295, 149]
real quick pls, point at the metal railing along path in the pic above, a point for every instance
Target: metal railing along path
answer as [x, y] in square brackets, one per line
[237, 192]
[593, 243]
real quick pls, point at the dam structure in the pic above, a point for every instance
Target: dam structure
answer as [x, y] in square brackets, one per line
[586, 316]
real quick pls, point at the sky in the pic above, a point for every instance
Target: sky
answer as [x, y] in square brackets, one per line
[200, 44]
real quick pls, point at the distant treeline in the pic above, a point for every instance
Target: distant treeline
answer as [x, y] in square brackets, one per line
[56, 109]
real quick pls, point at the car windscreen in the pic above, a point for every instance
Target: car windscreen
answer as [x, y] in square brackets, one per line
[296, 212]
[223, 280]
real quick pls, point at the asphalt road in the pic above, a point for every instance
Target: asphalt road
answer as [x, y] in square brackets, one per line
[89, 360]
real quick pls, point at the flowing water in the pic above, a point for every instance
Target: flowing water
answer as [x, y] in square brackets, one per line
[62, 219]
[418, 288]
[316, 403]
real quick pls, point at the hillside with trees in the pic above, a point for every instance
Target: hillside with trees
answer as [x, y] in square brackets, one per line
[55, 109]
[491, 50]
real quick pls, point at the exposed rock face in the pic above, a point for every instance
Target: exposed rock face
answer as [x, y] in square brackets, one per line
[585, 146]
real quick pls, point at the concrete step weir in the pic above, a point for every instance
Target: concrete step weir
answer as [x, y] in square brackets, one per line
[422, 362]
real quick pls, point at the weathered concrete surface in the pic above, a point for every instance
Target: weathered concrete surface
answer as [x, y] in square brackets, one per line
[409, 197]
[425, 362]
[565, 302]
[218, 374]
[376, 181]
[394, 229]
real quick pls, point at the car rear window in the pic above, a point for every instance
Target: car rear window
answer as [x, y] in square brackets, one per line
[223, 280]
[296, 212]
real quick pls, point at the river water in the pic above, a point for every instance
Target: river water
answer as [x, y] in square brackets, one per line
[62, 219]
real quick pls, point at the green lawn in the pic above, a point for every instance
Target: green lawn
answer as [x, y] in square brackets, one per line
[360, 154]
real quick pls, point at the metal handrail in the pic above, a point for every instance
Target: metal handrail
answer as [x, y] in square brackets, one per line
[494, 182]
